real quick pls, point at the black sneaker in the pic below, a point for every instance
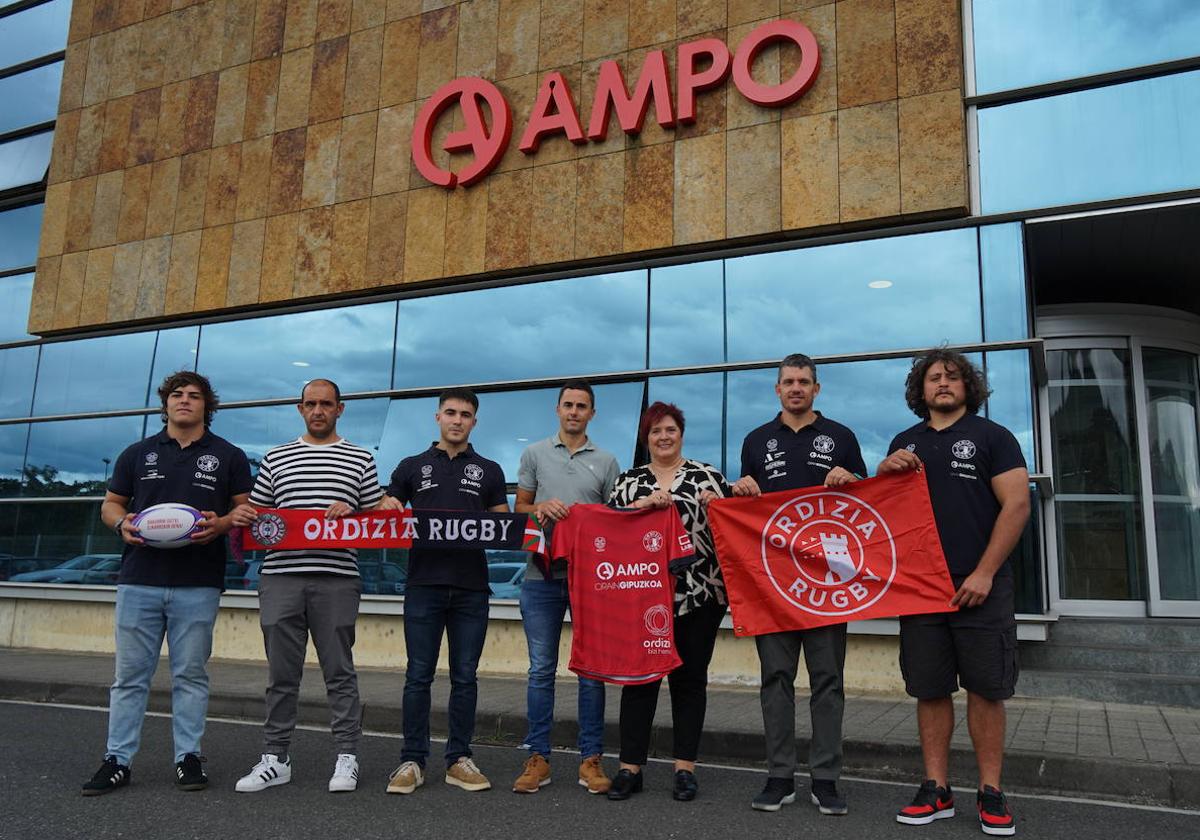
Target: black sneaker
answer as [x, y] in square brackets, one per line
[625, 784]
[189, 774]
[111, 775]
[775, 795]
[931, 803]
[994, 816]
[827, 799]
[685, 788]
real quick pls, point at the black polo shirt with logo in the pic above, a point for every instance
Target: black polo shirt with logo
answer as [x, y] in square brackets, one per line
[432, 480]
[960, 463]
[780, 459]
[206, 474]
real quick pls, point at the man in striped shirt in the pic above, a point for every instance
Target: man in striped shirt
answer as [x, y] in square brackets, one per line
[312, 591]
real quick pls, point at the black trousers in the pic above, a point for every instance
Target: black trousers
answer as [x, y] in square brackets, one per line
[695, 635]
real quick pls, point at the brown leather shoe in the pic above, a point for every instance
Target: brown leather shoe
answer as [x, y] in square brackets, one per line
[592, 776]
[535, 776]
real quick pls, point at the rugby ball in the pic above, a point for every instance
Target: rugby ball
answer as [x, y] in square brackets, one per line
[169, 525]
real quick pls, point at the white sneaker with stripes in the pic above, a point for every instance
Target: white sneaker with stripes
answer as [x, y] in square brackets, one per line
[270, 771]
[345, 774]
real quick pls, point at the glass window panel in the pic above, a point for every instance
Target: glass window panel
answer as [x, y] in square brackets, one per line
[1019, 43]
[1122, 140]
[1002, 256]
[24, 161]
[687, 324]
[75, 457]
[866, 396]
[59, 542]
[509, 422]
[18, 366]
[1011, 402]
[31, 97]
[351, 345]
[14, 317]
[846, 298]
[1173, 415]
[12, 458]
[258, 429]
[702, 398]
[95, 374]
[174, 350]
[1100, 550]
[35, 32]
[19, 231]
[558, 328]
[1091, 421]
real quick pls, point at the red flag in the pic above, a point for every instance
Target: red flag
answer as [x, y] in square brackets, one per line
[806, 558]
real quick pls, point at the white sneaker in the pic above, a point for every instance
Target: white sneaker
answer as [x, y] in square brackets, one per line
[270, 771]
[345, 774]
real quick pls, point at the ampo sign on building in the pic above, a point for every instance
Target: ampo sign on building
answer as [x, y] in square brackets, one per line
[700, 65]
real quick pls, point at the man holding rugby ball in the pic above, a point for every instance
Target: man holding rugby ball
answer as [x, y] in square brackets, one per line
[172, 593]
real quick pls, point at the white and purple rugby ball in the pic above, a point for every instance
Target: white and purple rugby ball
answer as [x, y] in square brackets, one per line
[168, 525]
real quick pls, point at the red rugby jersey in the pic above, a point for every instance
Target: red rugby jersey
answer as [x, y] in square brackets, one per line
[619, 565]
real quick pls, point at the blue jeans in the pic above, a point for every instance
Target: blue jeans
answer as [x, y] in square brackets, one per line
[463, 615]
[145, 614]
[543, 605]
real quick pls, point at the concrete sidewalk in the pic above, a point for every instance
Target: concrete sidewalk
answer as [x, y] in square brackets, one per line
[1147, 754]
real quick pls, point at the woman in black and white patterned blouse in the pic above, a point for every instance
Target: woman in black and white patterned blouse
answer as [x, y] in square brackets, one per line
[699, 601]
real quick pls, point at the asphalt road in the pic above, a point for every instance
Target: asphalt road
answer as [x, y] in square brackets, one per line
[48, 751]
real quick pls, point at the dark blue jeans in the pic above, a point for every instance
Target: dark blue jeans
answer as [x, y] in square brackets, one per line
[543, 605]
[463, 615]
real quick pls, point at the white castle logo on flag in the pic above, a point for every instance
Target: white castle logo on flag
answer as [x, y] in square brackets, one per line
[837, 556]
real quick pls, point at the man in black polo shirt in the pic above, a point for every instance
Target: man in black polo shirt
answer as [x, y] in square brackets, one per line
[173, 593]
[800, 448]
[979, 487]
[447, 591]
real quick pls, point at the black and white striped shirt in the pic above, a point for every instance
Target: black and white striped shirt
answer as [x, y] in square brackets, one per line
[301, 475]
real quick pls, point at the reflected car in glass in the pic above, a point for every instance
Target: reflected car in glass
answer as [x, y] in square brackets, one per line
[505, 579]
[11, 565]
[103, 573]
[71, 571]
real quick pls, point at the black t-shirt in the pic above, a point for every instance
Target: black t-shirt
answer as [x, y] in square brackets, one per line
[206, 475]
[960, 463]
[780, 459]
[432, 480]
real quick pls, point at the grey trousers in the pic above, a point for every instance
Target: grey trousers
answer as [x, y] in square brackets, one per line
[825, 656]
[291, 606]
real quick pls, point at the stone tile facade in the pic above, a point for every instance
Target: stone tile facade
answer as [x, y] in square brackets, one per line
[225, 154]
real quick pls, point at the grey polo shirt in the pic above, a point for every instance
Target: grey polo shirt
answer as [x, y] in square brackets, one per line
[550, 471]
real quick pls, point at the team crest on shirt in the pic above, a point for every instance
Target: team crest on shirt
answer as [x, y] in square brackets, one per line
[151, 458]
[657, 620]
[269, 529]
[814, 551]
[652, 541]
[772, 445]
[823, 444]
[208, 463]
[600, 544]
[912, 447]
[426, 470]
[963, 450]
[473, 471]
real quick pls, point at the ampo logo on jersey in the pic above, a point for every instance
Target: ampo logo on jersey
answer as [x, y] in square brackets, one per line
[487, 118]
[814, 551]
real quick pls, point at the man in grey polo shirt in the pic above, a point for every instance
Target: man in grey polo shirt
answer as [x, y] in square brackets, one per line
[556, 473]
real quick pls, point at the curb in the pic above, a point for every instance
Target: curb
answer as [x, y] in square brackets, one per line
[1142, 782]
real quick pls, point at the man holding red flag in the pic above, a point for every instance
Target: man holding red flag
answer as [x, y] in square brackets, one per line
[801, 448]
[979, 488]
